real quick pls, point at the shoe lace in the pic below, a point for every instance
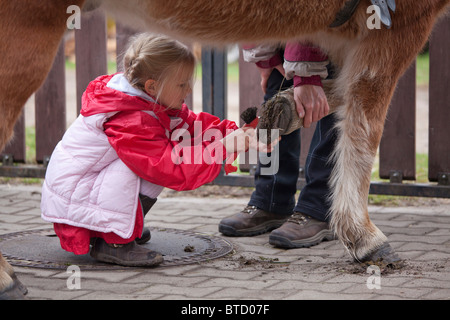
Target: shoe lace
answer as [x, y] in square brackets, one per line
[249, 209]
[298, 218]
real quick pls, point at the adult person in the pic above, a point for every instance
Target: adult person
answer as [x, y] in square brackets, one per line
[272, 205]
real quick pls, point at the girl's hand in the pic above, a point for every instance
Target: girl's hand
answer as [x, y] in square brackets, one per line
[259, 145]
[236, 142]
[244, 138]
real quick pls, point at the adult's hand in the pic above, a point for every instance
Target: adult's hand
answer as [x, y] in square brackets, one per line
[311, 103]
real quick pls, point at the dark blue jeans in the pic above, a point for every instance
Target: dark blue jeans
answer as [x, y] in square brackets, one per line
[276, 193]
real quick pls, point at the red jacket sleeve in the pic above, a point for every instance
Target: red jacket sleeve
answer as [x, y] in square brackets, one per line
[183, 159]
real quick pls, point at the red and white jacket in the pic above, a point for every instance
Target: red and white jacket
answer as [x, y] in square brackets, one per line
[123, 144]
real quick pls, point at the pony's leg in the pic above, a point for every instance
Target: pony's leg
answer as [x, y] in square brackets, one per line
[367, 80]
[30, 35]
[359, 126]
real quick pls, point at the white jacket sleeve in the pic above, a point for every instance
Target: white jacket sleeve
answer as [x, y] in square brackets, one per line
[259, 53]
[305, 69]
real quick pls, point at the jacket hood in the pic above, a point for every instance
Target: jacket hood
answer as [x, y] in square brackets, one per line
[113, 93]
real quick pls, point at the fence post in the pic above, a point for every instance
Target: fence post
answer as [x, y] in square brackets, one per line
[250, 93]
[90, 49]
[214, 81]
[123, 35]
[50, 106]
[439, 101]
[398, 144]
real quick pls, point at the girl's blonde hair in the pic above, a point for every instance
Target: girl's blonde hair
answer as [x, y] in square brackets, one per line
[156, 57]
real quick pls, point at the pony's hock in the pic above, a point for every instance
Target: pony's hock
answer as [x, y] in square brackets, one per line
[41, 249]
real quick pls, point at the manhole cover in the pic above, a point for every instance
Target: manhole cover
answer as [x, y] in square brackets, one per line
[41, 249]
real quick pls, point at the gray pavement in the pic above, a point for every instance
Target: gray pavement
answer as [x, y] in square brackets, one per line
[254, 270]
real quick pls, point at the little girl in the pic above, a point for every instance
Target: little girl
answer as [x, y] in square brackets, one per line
[117, 157]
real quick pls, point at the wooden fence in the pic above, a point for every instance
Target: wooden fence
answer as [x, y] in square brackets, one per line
[397, 154]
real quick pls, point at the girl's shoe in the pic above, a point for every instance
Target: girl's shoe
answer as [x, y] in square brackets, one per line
[129, 255]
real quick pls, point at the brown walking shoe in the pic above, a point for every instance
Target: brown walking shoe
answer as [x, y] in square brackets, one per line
[301, 231]
[129, 255]
[249, 222]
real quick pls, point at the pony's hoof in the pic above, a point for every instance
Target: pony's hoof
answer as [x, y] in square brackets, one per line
[13, 291]
[20, 285]
[384, 255]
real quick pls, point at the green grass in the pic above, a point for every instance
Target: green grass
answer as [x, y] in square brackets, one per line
[421, 169]
[30, 144]
[421, 177]
[232, 72]
[423, 69]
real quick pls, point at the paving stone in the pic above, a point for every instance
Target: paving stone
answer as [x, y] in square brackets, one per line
[255, 269]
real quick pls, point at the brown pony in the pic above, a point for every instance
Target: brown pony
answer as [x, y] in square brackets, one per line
[369, 62]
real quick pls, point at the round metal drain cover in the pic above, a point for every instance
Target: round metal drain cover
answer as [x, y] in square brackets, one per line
[41, 249]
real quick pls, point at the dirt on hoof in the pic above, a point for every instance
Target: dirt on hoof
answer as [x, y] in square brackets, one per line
[279, 113]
